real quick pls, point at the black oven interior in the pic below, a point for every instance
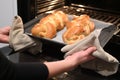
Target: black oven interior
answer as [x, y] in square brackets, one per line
[107, 5]
[107, 10]
[103, 10]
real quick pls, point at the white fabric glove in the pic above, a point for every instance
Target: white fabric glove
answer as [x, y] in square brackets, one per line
[105, 64]
[19, 41]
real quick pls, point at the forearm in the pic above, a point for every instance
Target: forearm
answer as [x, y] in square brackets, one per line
[58, 67]
[69, 62]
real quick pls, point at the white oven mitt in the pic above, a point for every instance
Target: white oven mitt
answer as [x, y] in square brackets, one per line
[19, 41]
[105, 64]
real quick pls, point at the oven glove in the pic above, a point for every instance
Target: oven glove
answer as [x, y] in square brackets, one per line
[19, 41]
[104, 63]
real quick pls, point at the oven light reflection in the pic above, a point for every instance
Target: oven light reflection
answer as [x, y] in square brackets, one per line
[80, 9]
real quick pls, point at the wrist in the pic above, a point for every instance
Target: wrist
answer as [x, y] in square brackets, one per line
[70, 63]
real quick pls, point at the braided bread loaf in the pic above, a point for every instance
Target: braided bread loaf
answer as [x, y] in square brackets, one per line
[49, 25]
[77, 29]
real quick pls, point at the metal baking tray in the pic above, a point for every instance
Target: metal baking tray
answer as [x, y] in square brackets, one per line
[58, 39]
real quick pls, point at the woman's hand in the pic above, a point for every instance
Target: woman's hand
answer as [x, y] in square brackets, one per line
[70, 62]
[4, 34]
[81, 56]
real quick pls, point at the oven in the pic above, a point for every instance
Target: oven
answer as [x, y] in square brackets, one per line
[103, 10]
[107, 11]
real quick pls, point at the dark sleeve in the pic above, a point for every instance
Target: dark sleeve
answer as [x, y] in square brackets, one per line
[22, 71]
[7, 68]
[31, 71]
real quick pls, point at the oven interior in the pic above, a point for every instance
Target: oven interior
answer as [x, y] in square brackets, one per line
[104, 10]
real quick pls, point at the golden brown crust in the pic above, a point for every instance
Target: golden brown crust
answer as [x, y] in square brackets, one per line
[77, 29]
[49, 25]
[46, 30]
[35, 30]
[72, 35]
[62, 18]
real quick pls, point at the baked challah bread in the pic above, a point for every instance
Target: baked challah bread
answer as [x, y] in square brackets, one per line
[46, 30]
[62, 19]
[49, 25]
[77, 29]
